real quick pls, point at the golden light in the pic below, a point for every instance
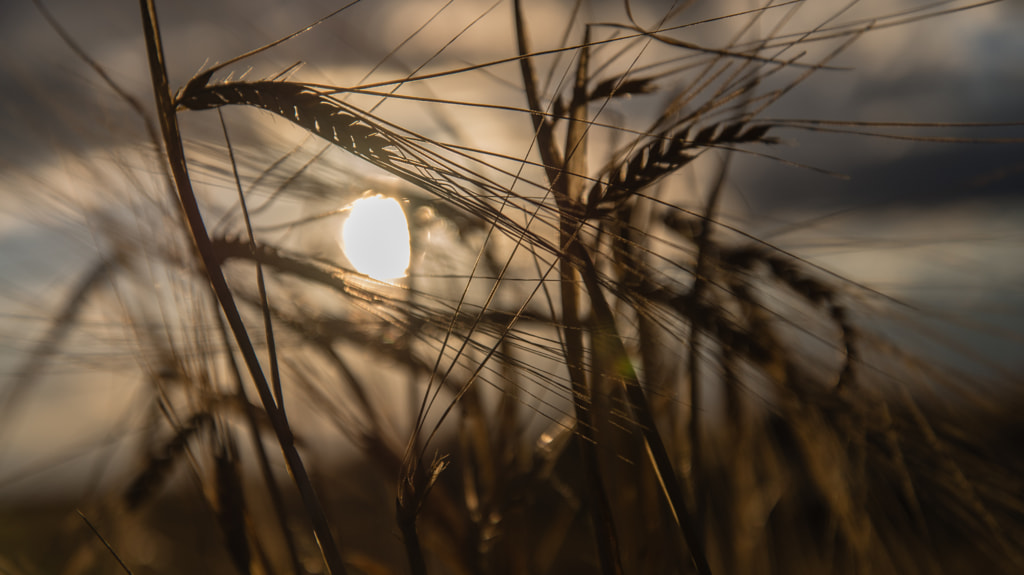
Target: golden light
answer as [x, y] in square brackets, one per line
[375, 238]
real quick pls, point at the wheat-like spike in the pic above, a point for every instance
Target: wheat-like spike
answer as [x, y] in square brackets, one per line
[663, 155]
[811, 290]
[714, 321]
[619, 86]
[821, 427]
[158, 468]
[299, 103]
[315, 109]
[326, 329]
[28, 373]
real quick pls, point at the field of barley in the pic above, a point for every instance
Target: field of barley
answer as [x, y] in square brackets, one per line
[511, 287]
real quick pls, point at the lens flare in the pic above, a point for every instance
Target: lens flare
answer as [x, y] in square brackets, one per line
[375, 238]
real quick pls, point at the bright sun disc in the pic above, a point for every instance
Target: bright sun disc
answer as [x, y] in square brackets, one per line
[375, 238]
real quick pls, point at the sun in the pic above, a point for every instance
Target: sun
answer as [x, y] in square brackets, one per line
[375, 238]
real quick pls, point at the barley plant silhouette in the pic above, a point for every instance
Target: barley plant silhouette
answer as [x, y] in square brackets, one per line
[621, 329]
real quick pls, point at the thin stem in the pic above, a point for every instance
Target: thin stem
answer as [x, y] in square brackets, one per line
[276, 498]
[641, 410]
[700, 283]
[190, 206]
[558, 177]
[103, 540]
